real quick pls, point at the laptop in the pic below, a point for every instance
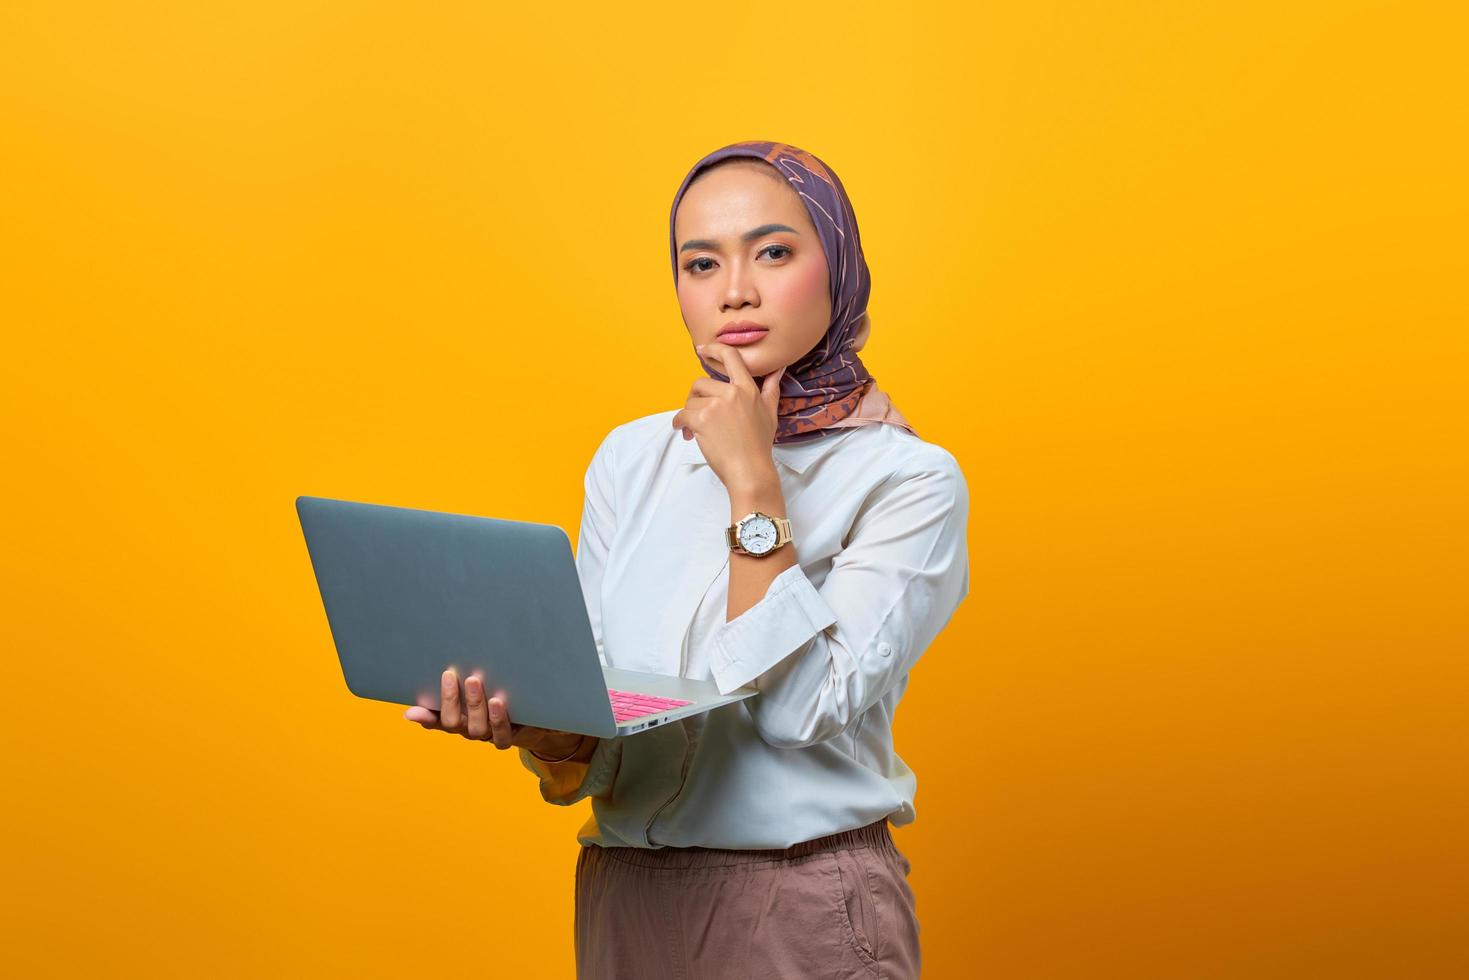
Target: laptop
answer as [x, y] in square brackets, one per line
[409, 593]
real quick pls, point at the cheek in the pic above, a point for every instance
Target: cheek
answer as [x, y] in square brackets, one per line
[804, 290]
[691, 302]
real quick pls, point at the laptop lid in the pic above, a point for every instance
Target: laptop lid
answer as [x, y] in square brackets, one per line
[411, 592]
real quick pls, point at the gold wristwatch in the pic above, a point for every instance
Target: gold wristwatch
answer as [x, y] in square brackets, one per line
[757, 534]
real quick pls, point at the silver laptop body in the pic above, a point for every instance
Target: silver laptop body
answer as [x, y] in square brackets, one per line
[409, 593]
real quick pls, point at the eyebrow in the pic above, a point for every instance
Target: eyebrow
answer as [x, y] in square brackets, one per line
[748, 236]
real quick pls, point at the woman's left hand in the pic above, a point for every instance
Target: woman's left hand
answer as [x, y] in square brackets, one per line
[733, 420]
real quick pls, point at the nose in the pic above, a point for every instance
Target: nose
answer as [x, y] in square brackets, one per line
[739, 287]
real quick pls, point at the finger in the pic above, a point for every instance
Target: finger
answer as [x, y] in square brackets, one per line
[689, 418]
[707, 387]
[449, 699]
[499, 724]
[696, 404]
[424, 716]
[476, 722]
[730, 359]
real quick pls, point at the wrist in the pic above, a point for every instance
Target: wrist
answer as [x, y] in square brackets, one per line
[582, 752]
[757, 491]
[588, 746]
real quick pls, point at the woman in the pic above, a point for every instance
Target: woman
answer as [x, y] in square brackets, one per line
[752, 840]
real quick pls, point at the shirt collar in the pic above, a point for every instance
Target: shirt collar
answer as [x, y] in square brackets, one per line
[794, 456]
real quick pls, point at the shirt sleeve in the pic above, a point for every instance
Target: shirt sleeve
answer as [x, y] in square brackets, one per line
[565, 783]
[821, 658]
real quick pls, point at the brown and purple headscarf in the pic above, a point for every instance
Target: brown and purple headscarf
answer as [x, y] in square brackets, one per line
[829, 387]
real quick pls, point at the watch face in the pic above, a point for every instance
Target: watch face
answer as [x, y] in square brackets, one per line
[757, 535]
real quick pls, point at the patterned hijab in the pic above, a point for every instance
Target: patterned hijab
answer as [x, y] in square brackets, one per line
[829, 387]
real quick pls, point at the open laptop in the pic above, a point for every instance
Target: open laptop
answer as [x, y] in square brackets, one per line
[409, 593]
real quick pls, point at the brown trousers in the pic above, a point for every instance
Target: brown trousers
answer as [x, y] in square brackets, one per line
[835, 907]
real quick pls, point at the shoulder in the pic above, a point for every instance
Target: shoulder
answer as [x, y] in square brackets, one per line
[900, 476]
[903, 455]
[627, 441]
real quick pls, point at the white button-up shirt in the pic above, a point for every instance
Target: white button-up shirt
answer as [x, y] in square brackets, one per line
[878, 518]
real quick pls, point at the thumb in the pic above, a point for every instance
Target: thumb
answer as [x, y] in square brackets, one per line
[770, 387]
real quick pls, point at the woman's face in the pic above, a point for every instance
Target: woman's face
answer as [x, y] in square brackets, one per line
[776, 277]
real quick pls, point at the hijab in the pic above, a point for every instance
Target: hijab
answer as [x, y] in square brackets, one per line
[828, 387]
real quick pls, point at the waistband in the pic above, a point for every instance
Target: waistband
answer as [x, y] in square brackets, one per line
[873, 835]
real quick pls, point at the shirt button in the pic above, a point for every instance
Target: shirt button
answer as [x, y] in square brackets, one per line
[884, 650]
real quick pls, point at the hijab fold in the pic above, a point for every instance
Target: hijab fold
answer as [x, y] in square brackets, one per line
[828, 387]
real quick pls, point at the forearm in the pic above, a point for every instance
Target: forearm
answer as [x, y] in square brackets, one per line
[749, 576]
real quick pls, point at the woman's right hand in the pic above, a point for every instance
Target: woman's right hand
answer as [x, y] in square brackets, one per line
[487, 721]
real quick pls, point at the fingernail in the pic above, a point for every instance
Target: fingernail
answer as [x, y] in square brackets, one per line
[698, 347]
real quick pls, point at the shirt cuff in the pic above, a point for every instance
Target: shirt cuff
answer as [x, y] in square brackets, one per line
[565, 783]
[790, 614]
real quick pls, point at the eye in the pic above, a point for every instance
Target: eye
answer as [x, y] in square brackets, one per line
[785, 249]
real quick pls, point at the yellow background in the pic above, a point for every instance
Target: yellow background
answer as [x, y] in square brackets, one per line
[1181, 286]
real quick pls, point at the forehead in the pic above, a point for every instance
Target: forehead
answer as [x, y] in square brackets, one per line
[730, 200]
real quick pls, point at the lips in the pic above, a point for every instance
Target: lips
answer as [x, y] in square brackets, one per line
[739, 338]
[743, 326]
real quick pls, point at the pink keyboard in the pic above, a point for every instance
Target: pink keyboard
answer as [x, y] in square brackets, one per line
[626, 704]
